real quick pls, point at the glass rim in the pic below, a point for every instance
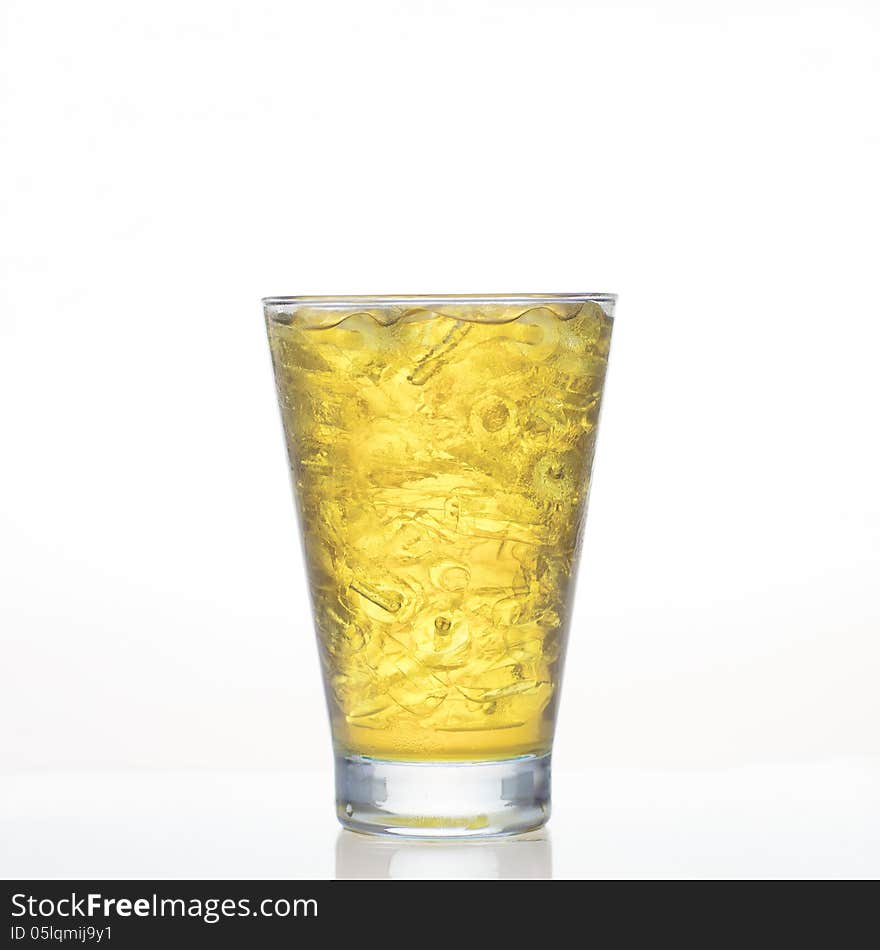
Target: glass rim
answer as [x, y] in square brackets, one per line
[330, 301]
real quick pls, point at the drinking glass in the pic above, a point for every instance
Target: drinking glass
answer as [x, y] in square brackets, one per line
[440, 449]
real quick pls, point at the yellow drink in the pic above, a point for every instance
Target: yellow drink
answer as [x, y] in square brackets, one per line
[441, 456]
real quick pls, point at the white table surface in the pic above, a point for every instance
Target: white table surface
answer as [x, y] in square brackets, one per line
[799, 820]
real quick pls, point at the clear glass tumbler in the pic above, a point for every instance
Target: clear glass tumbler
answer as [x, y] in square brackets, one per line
[440, 450]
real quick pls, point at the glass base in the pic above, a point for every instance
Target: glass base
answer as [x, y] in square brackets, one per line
[443, 799]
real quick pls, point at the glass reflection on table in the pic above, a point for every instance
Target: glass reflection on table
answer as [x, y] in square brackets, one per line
[521, 857]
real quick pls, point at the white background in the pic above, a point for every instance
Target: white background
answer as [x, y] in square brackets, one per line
[169, 163]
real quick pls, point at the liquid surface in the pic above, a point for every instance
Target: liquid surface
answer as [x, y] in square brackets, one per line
[441, 467]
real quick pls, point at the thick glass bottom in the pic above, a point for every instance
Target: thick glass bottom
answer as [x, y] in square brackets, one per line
[443, 799]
